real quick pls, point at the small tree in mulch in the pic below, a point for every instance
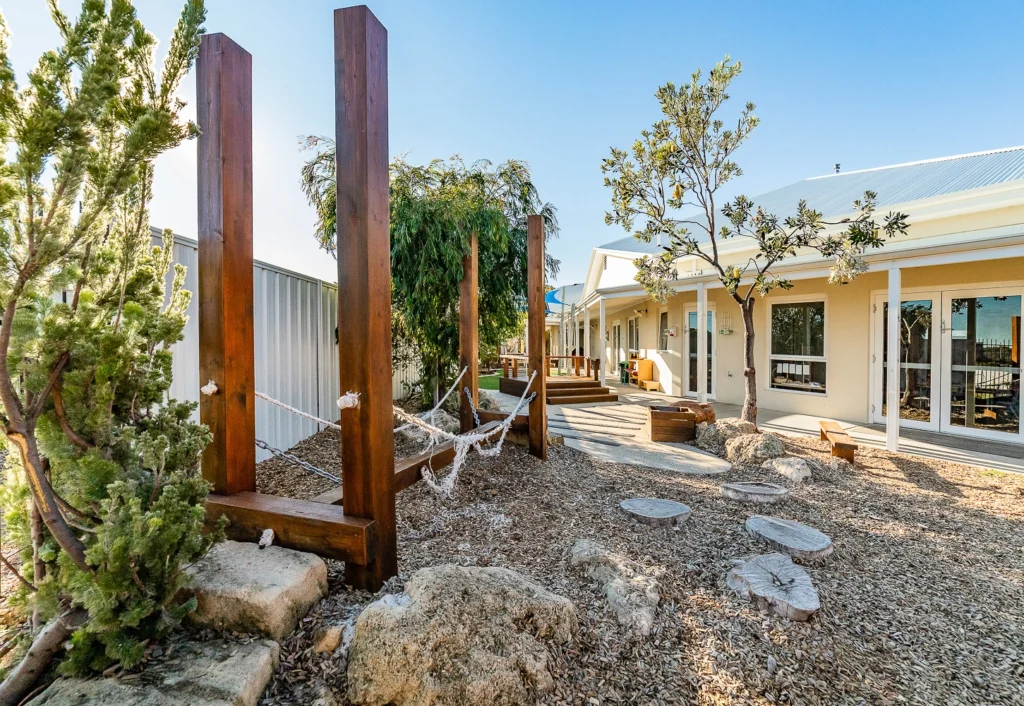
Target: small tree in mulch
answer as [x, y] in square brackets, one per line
[102, 497]
[667, 185]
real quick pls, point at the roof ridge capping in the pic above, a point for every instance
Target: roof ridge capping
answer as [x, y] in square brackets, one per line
[950, 158]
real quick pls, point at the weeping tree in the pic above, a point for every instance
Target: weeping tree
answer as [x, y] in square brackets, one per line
[666, 188]
[102, 492]
[435, 208]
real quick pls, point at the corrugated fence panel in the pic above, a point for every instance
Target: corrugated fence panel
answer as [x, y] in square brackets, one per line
[296, 356]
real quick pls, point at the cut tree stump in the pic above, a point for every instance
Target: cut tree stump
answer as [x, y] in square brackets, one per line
[653, 511]
[755, 492]
[774, 581]
[795, 539]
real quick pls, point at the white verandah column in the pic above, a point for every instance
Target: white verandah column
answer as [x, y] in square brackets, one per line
[602, 340]
[586, 330]
[701, 384]
[892, 353]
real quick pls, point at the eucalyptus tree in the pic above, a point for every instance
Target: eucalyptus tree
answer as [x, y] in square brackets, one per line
[102, 488]
[435, 208]
[666, 187]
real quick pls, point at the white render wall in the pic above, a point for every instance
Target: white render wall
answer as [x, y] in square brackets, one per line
[294, 318]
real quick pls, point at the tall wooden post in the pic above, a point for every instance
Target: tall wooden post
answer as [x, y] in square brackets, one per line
[226, 348]
[364, 285]
[535, 325]
[469, 343]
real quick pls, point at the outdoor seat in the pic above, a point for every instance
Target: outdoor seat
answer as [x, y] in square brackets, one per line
[843, 445]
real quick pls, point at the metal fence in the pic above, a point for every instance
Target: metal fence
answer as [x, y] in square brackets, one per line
[294, 320]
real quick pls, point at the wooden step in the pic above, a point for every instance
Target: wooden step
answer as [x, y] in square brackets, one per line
[573, 383]
[583, 399]
[574, 391]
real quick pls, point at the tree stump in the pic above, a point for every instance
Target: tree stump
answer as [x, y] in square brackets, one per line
[774, 581]
[656, 512]
[795, 539]
[704, 412]
[755, 492]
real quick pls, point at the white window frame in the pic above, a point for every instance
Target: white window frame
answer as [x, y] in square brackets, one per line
[769, 356]
[635, 320]
[668, 327]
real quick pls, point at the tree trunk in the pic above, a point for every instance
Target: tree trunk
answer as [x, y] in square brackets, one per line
[45, 647]
[749, 413]
[42, 494]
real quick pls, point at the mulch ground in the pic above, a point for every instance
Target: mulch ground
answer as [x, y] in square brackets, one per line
[922, 601]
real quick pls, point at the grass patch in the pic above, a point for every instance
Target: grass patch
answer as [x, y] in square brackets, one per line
[488, 382]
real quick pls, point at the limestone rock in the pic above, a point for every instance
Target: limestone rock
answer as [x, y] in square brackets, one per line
[653, 511]
[792, 468]
[713, 437]
[487, 401]
[458, 635]
[265, 591]
[754, 449]
[774, 581]
[795, 539]
[632, 594]
[328, 638]
[840, 464]
[754, 492]
[215, 673]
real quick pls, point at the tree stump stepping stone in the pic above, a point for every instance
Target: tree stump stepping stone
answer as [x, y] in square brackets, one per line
[795, 539]
[755, 492]
[774, 581]
[653, 511]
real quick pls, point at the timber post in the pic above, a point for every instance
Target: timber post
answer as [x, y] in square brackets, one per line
[364, 285]
[469, 340]
[224, 179]
[535, 326]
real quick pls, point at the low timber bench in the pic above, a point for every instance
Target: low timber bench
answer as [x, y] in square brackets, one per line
[843, 445]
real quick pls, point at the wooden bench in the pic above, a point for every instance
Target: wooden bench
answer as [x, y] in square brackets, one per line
[843, 445]
[650, 385]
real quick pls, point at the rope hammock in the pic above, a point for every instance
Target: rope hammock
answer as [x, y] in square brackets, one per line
[462, 442]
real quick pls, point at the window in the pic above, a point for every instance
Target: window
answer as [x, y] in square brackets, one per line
[663, 331]
[797, 350]
[633, 336]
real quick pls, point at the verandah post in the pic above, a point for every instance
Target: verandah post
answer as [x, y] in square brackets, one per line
[469, 341]
[364, 285]
[224, 179]
[535, 325]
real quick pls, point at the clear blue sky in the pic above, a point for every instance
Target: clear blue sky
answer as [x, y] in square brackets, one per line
[557, 83]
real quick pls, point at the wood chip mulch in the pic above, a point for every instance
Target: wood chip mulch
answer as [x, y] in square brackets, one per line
[922, 601]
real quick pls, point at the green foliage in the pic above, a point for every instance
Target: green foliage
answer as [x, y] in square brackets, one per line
[434, 210]
[668, 181]
[90, 310]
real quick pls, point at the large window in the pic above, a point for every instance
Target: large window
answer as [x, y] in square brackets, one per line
[797, 359]
[663, 331]
[633, 336]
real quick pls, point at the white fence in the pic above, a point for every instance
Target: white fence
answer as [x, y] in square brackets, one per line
[294, 320]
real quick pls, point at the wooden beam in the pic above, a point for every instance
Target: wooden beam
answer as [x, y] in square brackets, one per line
[226, 348]
[306, 526]
[520, 423]
[535, 326]
[469, 317]
[407, 470]
[364, 284]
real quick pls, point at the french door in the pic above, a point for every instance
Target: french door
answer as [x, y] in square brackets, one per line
[960, 361]
[690, 353]
[617, 343]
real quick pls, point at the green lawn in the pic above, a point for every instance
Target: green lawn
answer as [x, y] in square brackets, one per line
[488, 382]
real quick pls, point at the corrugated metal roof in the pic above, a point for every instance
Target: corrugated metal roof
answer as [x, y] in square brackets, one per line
[834, 194]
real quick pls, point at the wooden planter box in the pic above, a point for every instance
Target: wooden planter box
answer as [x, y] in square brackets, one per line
[671, 424]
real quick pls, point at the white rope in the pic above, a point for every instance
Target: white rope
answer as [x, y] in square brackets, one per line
[350, 400]
[209, 388]
[299, 412]
[430, 415]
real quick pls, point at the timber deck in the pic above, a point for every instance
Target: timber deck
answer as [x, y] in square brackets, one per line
[564, 389]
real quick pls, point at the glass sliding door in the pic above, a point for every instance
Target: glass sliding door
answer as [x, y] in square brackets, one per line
[982, 347]
[918, 353]
[690, 355]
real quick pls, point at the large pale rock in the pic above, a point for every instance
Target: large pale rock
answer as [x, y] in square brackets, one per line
[265, 591]
[713, 437]
[487, 401]
[753, 492]
[632, 594]
[774, 581]
[754, 449]
[792, 468]
[441, 419]
[795, 539]
[653, 511]
[458, 636]
[215, 673]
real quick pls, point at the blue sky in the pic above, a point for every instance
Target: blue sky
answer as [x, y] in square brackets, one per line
[557, 83]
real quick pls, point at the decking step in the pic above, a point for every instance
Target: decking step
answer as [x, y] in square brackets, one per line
[573, 391]
[574, 383]
[583, 399]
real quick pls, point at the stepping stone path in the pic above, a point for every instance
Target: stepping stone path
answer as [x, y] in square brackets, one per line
[656, 512]
[755, 492]
[774, 581]
[795, 539]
